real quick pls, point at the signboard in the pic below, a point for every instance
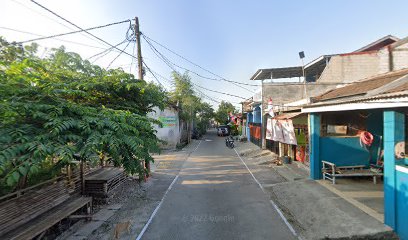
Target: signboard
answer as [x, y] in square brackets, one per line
[337, 129]
[167, 121]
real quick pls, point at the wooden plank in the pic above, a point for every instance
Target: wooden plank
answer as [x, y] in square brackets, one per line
[30, 214]
[104, 174]
[47, 220]
[100, 183]
[22, 191]
[24, 209]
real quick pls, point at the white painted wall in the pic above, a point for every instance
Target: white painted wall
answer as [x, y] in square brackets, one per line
[170, 132]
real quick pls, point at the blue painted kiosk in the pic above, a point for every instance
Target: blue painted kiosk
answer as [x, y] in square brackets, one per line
[380, 108]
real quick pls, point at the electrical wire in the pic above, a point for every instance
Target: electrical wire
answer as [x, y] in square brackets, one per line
[147, 67]
[161, 76]
[106, 51]
[73, 32]
[73, 24]
[45, 16]
[196, 86]
[58, 39]
[168, 63]
[121, 51]
[184, 58]
[171, 83]
[232, 95]
[118, 55]
[203, 95]
[133, 53]
[171, 64]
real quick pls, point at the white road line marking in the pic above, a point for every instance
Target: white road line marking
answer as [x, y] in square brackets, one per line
[272, 202]
[161, 201]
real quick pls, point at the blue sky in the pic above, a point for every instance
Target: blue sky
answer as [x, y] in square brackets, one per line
[230, 38]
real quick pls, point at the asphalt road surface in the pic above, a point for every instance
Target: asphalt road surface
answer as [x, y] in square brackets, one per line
[215, 197]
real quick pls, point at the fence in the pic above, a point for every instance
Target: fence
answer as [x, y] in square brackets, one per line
[272, 146]
[255, 133]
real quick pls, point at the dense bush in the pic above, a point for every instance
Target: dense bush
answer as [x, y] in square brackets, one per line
[59, 106]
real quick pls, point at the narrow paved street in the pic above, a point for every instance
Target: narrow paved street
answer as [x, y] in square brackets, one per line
[215, 197]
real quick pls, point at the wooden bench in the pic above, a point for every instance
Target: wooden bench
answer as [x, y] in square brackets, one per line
[34, 210]
[331, 171]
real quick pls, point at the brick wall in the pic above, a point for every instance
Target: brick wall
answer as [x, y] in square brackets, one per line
[400, 55]
[291, 92]
[351, 67]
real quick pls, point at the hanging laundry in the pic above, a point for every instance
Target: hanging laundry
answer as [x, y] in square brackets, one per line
[269, 129]
[277, 134]
[288, 132]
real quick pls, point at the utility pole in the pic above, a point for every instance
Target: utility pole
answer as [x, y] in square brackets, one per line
[140, 66]
[139, 49]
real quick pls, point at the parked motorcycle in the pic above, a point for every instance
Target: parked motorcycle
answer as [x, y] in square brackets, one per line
[229, 142]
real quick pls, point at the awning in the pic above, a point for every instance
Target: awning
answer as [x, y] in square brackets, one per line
[276, 73]
[288, 115]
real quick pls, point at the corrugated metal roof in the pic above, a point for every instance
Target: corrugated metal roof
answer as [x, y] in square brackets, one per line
[378, 44]
[277, 73]
[386, 97]
[363, 86]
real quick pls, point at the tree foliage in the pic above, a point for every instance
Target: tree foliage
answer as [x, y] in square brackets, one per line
[192, 106]
[221, 116]
[205, 113]
[61, 106]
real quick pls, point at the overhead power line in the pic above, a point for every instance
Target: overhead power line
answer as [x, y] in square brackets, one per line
[147, 67]
[106, 51]
[118, 55]
[162, 77]
[195, 64]
[198, 86]
[45, 16]
[57, 39]
[168, 63]
[73, 24]
[232, 95]
[208, 97]
[73, 32]
[171, 64]
[133, 53]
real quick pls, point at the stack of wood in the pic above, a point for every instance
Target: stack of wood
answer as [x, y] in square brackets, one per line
[102, 182]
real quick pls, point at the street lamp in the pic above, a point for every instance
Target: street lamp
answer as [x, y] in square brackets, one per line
[302, 56]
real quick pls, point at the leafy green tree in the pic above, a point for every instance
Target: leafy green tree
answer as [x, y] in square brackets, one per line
[185, 97]
[61, 107]
[204, 114]
[221, 116]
